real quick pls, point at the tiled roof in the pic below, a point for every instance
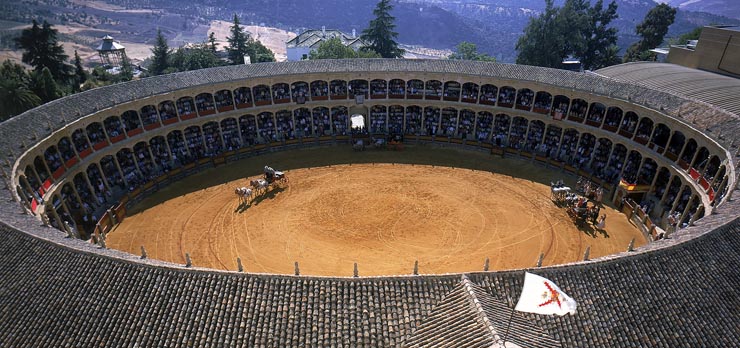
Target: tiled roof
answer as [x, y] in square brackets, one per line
[58, 292]
[711, 88]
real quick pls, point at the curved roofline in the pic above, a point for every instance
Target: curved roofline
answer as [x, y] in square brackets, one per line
[60, 112]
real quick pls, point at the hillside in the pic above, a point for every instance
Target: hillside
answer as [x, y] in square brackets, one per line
[728, 8]
[494, 25]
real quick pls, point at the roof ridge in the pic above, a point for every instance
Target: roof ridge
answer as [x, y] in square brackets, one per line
[479, 310]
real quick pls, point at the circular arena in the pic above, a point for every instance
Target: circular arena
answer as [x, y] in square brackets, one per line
[117, 168]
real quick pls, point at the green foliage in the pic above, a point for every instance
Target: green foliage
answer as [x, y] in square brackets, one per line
[127, 70]
[469, 51]
[691, 35]
[577, 29]
[44, 86]
[41, 49]
[161, 55]
[237, 43]
[15, 95]
[652, 30]
[212, 41]
[242, 44]
[334, 49]
[193, 58]
[379, 35]
[80, 73]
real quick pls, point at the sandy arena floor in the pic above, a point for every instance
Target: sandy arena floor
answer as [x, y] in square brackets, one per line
[382, 216]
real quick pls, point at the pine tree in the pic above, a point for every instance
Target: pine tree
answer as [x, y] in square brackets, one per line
[43, 50]
[542, 44]
[212, 41]
[469, 51]
[601, 40]
[127, 70]
[379, 35]
[258, 53]
[80, 74]
[161, 51]
[237, 43]
[652, 30]
[44, 86]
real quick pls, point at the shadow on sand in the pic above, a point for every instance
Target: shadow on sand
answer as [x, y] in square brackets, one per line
[257, 200]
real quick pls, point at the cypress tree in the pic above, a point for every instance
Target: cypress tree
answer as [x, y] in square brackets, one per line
[161, 51]
[379, 35]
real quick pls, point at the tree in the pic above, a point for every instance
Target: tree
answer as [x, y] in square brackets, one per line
[199, 56]
[127, 70]
[161, 52]
[41, 49]
[692, 35]
[601, 41]
[15, 95]
[335, 49]
[541, 44]
[469, 51]
[212, 41]
[652, 30]
[238, 43]
[80, 73]
[575, 30]
[379, 35]
[15, 98]
[258, 53]
[44, 86]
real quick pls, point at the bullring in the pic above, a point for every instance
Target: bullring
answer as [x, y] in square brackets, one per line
[659, 139]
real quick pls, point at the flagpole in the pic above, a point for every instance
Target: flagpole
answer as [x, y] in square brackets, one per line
[508, 326]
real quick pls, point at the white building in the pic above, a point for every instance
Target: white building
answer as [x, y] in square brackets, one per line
[300, 47]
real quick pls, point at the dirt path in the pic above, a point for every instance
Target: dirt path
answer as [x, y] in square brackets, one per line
[382, 216]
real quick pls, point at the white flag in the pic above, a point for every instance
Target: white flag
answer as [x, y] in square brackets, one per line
[542, 296]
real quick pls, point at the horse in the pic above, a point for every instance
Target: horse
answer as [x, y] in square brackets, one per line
[244, 194]
[259, 185]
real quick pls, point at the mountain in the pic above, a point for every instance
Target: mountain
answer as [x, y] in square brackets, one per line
[728, 8]
[493, 25]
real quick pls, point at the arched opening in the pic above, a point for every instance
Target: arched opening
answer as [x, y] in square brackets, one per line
[518, 130]
[578, 109]
[631, 167]
[506, 97]
[431, 120]
[68, 153]
[243, 97]
[149, 117]
[413, 120]
[167, 112]
[397, 88]
[223, 99]
[131, 123]
[212, 139]
[660, 138]
[299, 91]
[534, 136]
[568, 146]
[613, 119]
[542, 102]
[448, 124]
[433, 90]
[248, 128]
[158, 147]
[114, 128]
[414, 89]
[596, 114]
[600, 158]
[280, 93]
[54, 161]
[488, 94]
[79, 139]
[194, 140]
[469, 93]
[585, 149]
[484, 126]
[674, 148]
[378, 89]
[340, 120]
[629, 124]
[395, 119]
[378, 119]
[560, 107]
[204, 104]
[230, 133]
[180, 152]
[186, 108]
[501, 124]
[303, 122]
[285, 126]
[261, 95]
[466, 124]
[644, 129]
[96, 135]
[616, 160]
[266, 126]
[647, 172]
[524, 99]
[552, 140]
[452, 91]
[338, 89]
[358, 88]
[319, 90]
[321, 121]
